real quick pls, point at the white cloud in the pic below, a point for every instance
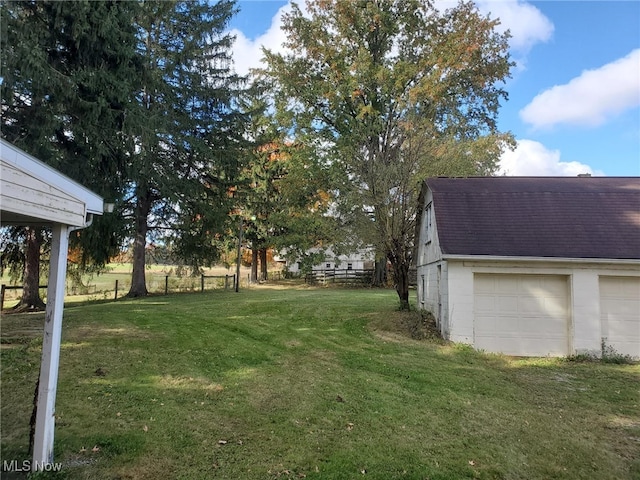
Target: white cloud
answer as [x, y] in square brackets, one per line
[531, 158]
[590, 99]
[525, 22]
[247, 53]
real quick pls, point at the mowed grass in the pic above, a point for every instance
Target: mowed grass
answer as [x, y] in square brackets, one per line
[309, 383]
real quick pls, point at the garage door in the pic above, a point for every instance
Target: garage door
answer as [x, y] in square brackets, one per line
[620, 313]
[521, 314]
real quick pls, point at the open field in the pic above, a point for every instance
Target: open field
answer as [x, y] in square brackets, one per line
[308, 383]
[102, 286]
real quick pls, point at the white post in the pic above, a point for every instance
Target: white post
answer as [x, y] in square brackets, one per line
[45, 415]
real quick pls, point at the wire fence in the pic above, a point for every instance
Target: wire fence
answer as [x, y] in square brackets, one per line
[107, 287]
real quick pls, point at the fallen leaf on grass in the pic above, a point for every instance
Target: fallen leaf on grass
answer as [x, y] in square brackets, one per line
[145, 428]
[349, 426]
[95, 449]
[472, 463]
[82, 450]
[222, 442]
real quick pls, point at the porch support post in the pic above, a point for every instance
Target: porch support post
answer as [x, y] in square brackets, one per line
[45, 415]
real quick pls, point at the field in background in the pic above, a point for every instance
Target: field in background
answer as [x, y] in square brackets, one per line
[103, 286]
[308, 383]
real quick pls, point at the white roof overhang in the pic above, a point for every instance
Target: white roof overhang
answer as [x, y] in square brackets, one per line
[33, 193]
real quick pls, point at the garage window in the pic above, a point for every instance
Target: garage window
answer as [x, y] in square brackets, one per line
[428, 212]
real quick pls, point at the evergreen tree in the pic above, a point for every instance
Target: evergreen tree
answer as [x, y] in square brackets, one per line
[67, 73]
[136, 101]
[283, 192]
[185, 131]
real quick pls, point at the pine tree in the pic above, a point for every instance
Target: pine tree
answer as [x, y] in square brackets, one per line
[67, 69]
[187, 130]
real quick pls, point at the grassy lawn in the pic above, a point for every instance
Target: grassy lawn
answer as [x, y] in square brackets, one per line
[309, 383]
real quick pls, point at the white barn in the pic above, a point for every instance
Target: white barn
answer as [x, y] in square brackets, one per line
[532, 266]
[34, 194]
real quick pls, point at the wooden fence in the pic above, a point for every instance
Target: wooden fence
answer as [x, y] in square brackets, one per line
[156, 284]
[341, 277]
[350, 277]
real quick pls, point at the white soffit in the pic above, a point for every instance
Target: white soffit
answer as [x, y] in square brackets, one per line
[32, 192]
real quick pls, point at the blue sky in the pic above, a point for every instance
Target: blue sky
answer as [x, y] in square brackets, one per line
[574, 96]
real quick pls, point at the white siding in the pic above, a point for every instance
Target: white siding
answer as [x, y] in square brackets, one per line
[602, 301]
[585, 311]
[432, 291]
[459, 303]
[362, 259]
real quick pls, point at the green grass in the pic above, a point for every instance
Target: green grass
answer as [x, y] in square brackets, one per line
[309, 383]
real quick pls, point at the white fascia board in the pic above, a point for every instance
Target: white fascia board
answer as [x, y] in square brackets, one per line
[22, 160]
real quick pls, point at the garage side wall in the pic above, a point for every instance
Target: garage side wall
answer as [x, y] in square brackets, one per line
[432, 284]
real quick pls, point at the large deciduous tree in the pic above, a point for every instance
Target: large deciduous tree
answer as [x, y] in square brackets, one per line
[396, 90]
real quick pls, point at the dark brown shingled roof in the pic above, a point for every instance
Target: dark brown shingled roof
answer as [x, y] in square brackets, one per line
[568, 217]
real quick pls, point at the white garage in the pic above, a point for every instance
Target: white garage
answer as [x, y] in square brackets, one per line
[521, 314]
[620, 314]
[532, 266]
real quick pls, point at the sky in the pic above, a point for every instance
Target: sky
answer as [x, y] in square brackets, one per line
[574, 94]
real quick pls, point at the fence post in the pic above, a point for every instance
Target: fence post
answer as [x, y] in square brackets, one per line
[202, 283]
[2, 297]
[166, 284]
[115, 297]
[226, 281]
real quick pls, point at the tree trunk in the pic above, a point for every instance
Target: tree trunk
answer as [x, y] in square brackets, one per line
[263, 264]
[401, 281]
[138, 279]
[254, 263]
[380, 272]
[30, 289]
